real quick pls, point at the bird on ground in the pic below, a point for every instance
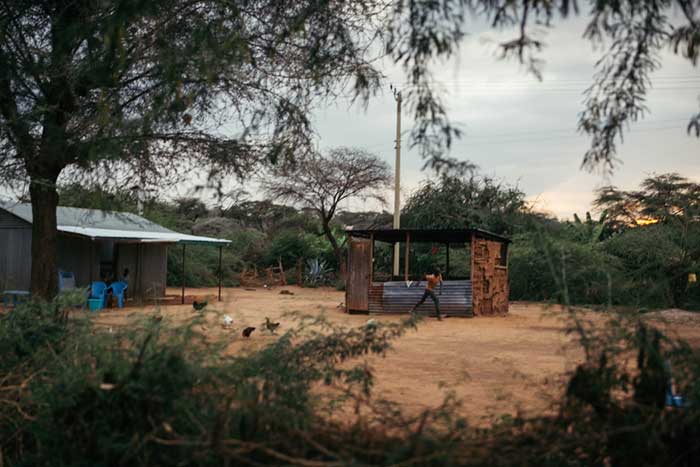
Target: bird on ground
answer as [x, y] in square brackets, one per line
[270, 326]
[248, 331]
[199, 306]
[227, 321]
[157, 318]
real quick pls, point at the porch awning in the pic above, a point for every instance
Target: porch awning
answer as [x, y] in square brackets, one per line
[113, 225]
[141, 236]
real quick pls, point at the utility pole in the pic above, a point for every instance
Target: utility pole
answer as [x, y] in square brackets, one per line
[397, 178]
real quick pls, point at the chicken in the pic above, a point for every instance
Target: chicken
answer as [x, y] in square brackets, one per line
[248, 331]
[199, 306]
[270, 326]
[227, 321]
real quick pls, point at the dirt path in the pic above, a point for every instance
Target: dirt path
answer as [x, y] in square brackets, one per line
[495, 365]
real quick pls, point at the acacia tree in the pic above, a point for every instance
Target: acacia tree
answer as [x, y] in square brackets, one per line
[130, 88]
[322, 182]
[142, 84]
[660, 226]
[458, 200]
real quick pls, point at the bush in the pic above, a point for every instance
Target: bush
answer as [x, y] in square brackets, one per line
[72, 394]
[545, 268]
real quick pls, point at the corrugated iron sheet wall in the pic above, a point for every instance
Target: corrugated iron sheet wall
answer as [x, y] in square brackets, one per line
[455, 300]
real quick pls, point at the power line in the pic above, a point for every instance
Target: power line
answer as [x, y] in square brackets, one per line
[668, 79]
[545, 135]
[568, 130]
[556, 137]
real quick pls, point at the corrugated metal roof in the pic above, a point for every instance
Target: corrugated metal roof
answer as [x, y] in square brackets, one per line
[115, 225]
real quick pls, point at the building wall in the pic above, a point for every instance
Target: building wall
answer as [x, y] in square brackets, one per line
[489, 277]
[147, 264]
[81, 256]
[77, 255]
[15, 252]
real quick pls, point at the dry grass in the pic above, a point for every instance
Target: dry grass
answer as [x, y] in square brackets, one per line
[497, 365]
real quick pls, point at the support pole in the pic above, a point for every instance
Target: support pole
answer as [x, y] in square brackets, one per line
[408, 246]
[371, 259]
[183, 274]
[397, 180]
[447, 261]
[92, 260]
[221, 271]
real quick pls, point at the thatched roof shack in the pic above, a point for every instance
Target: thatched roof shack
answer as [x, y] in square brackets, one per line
[479, 287]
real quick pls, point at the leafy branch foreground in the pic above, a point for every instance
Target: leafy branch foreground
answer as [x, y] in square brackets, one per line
[73, 395]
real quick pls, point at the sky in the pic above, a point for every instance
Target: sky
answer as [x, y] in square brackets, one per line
[523, 131]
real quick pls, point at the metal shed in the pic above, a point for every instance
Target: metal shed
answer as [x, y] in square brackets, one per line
[93, 244]
[483, 292]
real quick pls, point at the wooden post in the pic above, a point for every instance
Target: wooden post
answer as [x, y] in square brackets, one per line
[92, 260]
[408, 246]
[393, 258]
[183, 274]
[447, 261]
[371, 259]
[221, 271]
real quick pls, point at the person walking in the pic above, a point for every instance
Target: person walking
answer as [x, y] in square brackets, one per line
[432, 280]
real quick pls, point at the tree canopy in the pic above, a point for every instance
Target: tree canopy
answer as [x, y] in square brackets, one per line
[136, 91]
[321, 182]
[456, 201]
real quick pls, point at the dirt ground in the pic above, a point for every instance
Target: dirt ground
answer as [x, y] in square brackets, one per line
[496, 365]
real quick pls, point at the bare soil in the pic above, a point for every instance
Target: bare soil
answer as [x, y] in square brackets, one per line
[496, 365]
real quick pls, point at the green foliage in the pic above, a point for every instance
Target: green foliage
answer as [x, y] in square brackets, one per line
[456, 201]
[590, 231]
[291, 246]
[639, 252]
[545, 268]
[77, 394]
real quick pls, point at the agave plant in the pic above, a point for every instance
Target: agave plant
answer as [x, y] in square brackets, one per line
[317, 272]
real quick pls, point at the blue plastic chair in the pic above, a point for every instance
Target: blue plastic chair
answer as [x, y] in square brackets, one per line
[118, 289]
[99, 291]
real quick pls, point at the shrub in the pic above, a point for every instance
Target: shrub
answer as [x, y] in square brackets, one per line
[72, 394]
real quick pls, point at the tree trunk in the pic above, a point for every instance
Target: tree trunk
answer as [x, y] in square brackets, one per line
[44, 279]
[337, 250]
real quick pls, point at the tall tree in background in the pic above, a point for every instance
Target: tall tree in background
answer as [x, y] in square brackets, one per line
[459, 201]
[661, 226]
[93, 84]
[666, 198]
[322, 182]
[123, 87]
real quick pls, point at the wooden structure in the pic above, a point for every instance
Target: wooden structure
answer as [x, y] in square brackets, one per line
[94, 244]
[484, 292]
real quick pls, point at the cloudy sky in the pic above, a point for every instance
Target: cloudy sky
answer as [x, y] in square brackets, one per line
[523, 131]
